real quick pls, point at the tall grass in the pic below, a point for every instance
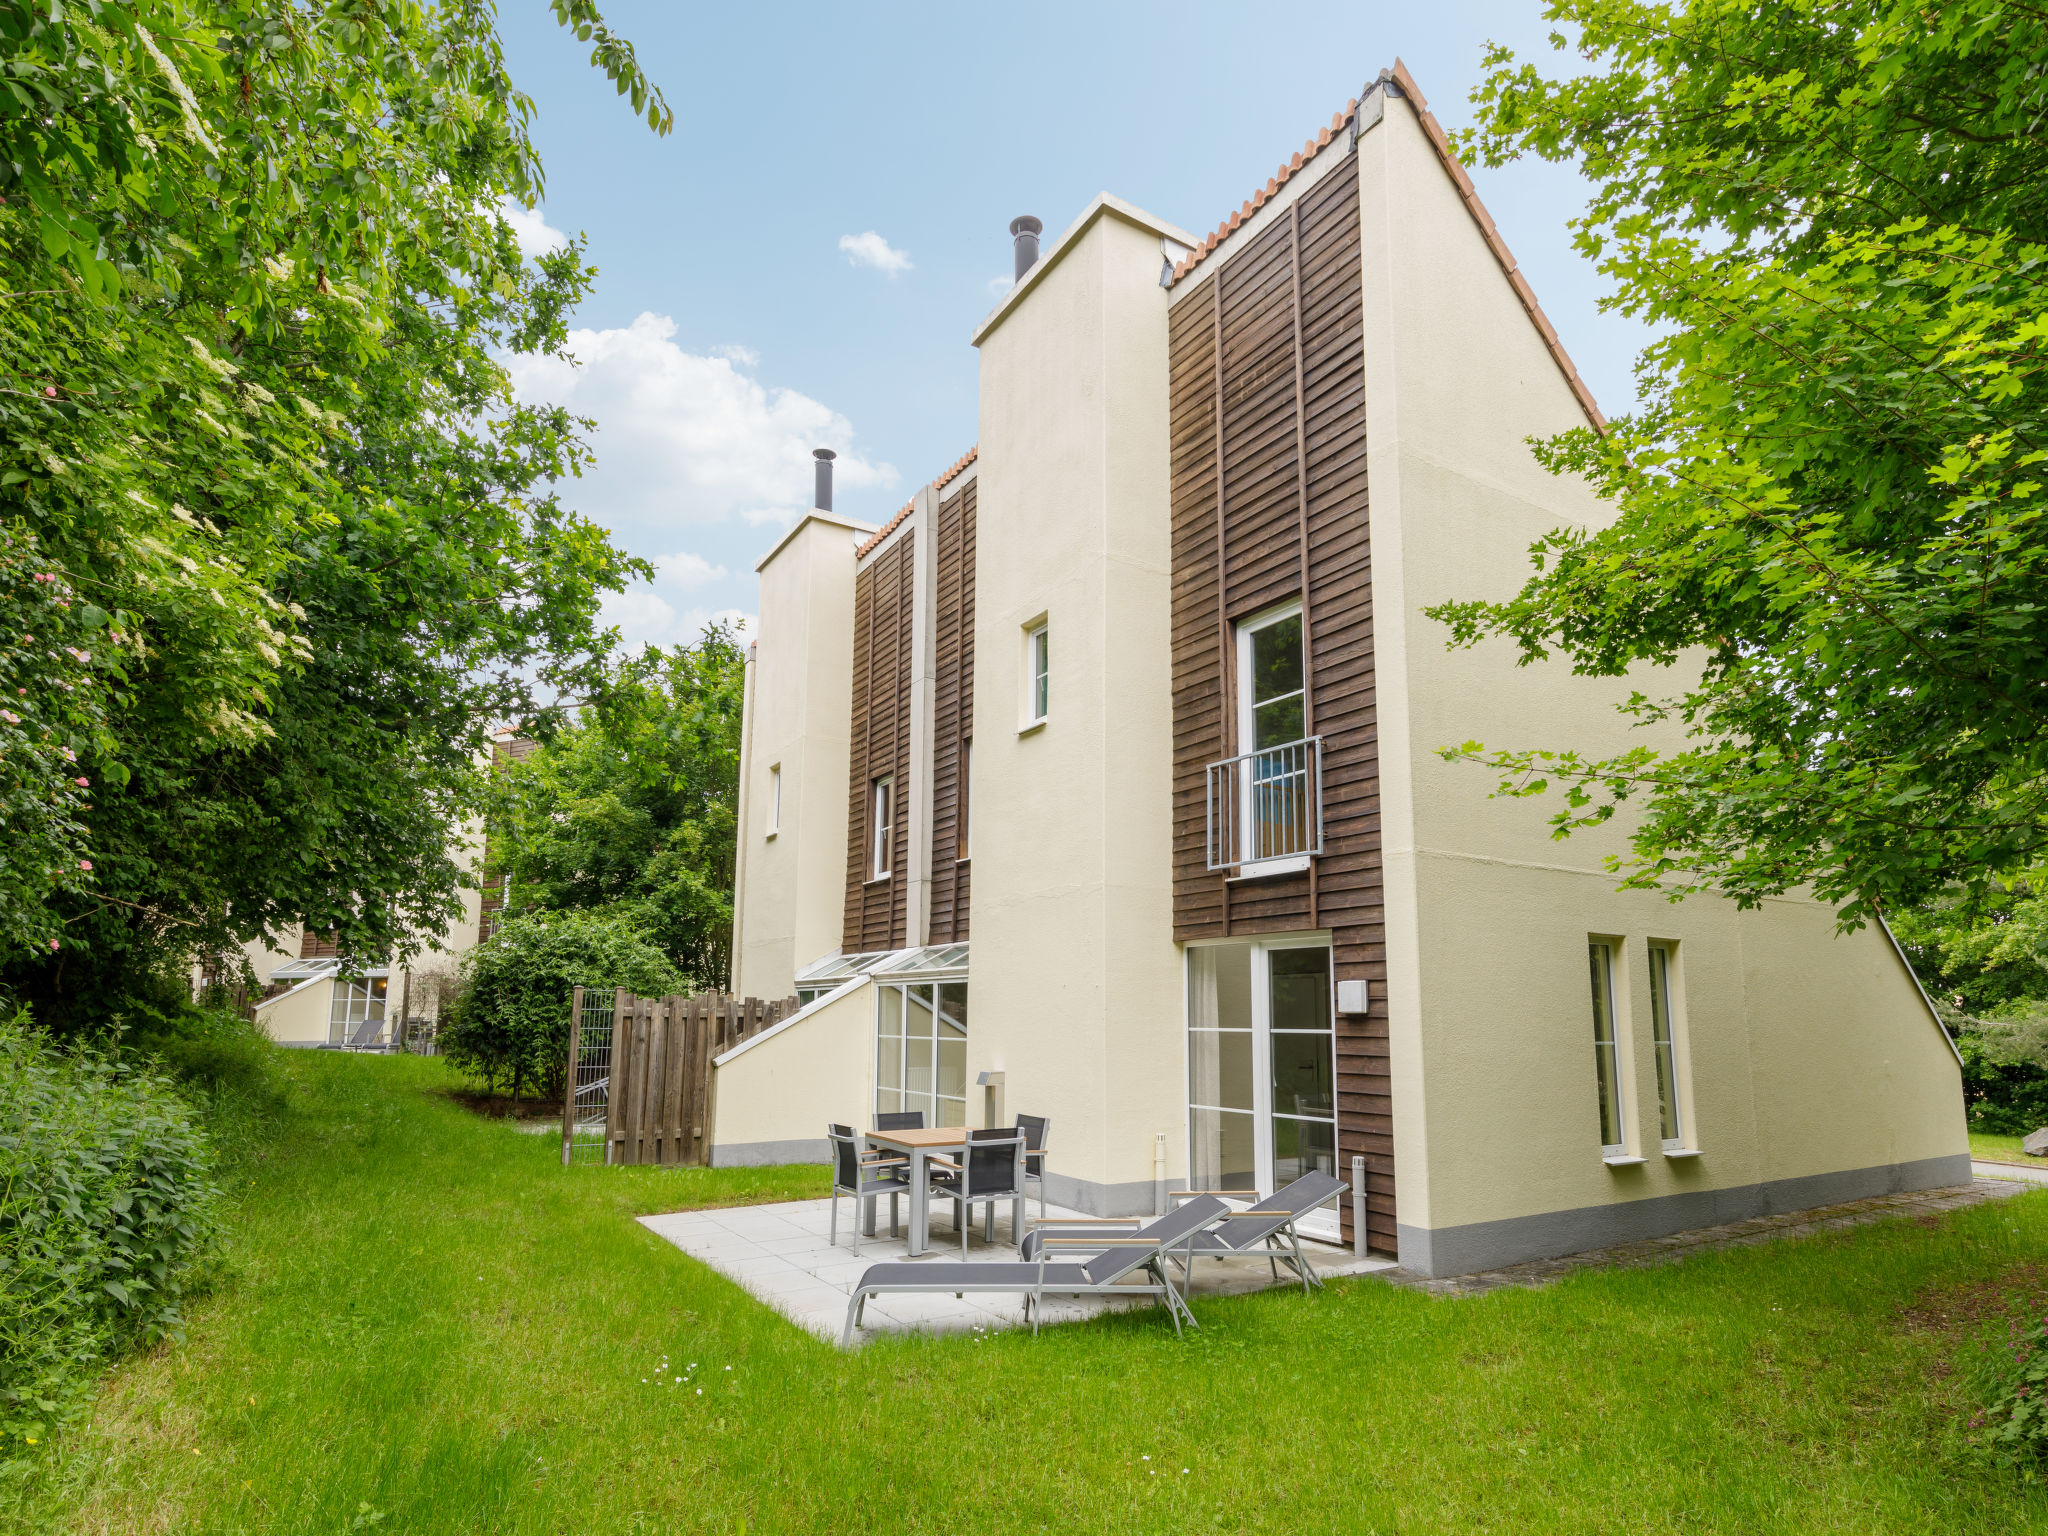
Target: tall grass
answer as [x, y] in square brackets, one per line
[430, 1326]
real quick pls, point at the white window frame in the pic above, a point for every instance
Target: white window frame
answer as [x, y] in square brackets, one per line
[1037, 674]
[1249, 868]
[1606, 989]
[882, 826]
[1669, 1043]
[774, 798]
[938, 1107]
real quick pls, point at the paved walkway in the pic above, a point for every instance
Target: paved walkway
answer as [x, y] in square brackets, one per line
[1993, 1181]
[780, 1254]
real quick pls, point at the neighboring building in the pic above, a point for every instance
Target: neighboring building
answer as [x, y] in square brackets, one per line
[1146, 676]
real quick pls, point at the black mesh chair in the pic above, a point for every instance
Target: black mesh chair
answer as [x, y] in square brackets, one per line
[897, 1120]
[862, 1175]
[992, 1169]
[1037, 1129]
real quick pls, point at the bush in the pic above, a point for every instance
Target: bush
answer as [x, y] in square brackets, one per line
[108, 1209]
[2003, 1096]
[510, 1020]
[2015, 1380]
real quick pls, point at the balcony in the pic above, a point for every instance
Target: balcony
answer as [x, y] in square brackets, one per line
[1266, 809]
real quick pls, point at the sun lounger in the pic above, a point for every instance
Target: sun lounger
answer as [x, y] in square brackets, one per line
[1106, 1274]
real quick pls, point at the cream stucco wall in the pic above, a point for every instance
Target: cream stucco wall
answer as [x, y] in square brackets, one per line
[772, 1098]
[1074, 977]
[1812, 1056]
[300, 1016]
[791, 883]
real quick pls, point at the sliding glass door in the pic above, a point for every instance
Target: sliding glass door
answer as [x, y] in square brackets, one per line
[1262, 1074]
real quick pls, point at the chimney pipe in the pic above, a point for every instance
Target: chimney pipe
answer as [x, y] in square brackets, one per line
[821, 497]
[1025, 231]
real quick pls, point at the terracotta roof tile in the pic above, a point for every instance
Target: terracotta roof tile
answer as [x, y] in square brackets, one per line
[895, 522]
[1434, 132]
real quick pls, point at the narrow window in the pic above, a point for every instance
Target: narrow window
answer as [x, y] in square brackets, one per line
[882, 821]
[966, 838]
[1665, 1033]
[1606, 1049]
[1276, 793]
[1037, 673]
[774, 798]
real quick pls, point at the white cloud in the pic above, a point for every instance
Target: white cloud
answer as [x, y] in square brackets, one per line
[686, 439]
[739, 356]
[686, 570]
[644, 617]
[530, 227]
[1001, 285]
[871, 250]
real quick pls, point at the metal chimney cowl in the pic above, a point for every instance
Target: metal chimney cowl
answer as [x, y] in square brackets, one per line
[821, 496]
[1025, 231]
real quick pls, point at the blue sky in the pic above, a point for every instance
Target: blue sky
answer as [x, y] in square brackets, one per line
[802, 261]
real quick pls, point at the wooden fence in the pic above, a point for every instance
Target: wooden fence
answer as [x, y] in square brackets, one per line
[639, 1080]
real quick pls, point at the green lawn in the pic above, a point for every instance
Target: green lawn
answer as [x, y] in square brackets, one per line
[2002, 1149]
[429, 1326]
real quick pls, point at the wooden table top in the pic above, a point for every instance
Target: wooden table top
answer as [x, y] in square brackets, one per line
[931, 1136]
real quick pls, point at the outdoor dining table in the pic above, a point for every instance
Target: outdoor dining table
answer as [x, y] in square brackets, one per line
[919, 1144]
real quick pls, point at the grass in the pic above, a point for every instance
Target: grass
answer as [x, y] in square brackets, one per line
[429, 1326]
[2002, 1149]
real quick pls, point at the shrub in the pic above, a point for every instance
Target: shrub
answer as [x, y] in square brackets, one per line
[2003, 1096]
[108, 1209]
[510, 1020]
[2015, 1380]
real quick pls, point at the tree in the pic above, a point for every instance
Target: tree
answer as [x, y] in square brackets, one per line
[510, 1021]
[1829, 502]
[635, 809]
[255, 275]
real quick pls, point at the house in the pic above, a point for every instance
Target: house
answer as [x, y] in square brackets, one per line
[1137, 753]
[308, 996]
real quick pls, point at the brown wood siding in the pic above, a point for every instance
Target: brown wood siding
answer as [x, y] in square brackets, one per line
[1268, 406]
[875, 917]
[952, 711]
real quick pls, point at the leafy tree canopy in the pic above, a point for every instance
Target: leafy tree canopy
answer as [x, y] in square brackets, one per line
[1829, 502]
[255, 276]
[635, 808]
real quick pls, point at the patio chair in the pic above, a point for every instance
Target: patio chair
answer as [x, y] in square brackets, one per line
[1037, 1129]
[1104, 1275]
[991, 1170]
[897, 1120]
[1260, 1230]
[863, 1175]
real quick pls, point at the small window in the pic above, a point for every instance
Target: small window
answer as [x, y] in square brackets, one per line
[1607, 1050]
[774, 798]
[1272, 701]
[966, 838]
[1664, 1030]
[1037, 674]
[882, 824]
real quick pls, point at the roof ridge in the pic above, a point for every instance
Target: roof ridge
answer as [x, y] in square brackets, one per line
[909, 506]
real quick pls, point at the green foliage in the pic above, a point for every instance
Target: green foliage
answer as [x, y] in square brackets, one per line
[510, 1020]
[108, 1210]
[2014, 1378]
[255, 280]
[635, 809]
[1829, 505]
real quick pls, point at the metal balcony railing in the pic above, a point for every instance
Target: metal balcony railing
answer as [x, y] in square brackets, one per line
[1266, 805]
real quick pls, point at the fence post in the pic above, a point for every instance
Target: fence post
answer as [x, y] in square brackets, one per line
[615, 1097]
[568, 1081]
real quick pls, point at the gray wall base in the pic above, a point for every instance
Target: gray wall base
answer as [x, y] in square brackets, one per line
[1138, 1198]
[769, 1154]
[1491, 1244]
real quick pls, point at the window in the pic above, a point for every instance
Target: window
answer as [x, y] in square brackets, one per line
[1607, 1050]
[1664, 1032]
[356, 1016]
[966, 837]
[882, 825]
[1276, 791]
[1037, 674]
[774, 798]
[921, 1050]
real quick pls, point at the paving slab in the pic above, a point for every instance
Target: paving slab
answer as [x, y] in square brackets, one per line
[781, 1255]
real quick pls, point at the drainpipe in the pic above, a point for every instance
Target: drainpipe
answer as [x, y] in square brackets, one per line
[1159, 1174]
[1358, 1206]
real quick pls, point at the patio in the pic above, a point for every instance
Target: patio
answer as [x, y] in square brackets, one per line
[780, 1255]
